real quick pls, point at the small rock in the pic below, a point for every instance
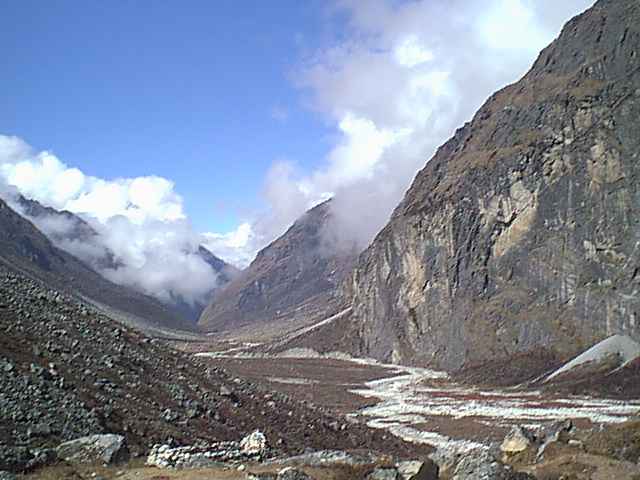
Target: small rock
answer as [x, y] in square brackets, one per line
[262, 476]
[40, 430]
[7, 476]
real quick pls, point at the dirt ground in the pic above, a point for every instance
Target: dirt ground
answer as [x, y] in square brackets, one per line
[324, 382]
[141, 472]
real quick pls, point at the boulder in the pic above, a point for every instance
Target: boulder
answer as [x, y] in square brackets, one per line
[107, 449]
[417, 470]
[517, 440]
[481, 465]
[554, 433]
[291, 473]
[384, 474]
[254, 444]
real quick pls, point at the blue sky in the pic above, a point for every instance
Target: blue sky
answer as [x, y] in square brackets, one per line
[199, 92]
[171, 124]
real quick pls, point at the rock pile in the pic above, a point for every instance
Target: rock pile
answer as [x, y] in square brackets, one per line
[252, 447]
[481, 465]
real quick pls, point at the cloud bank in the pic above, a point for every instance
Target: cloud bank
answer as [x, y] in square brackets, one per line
[397, 84]
[139, 236]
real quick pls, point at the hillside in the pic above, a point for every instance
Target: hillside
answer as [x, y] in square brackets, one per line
[23, 248]
[69, 371]
[294, 278]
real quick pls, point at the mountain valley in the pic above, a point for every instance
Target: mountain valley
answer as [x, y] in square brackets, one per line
[489, 330]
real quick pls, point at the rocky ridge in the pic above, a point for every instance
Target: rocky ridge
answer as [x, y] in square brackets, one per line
[292, 281]
[520, 234]
[69, 232]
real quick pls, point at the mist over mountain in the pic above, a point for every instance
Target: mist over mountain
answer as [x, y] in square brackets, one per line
[26, 250]
[520, 234]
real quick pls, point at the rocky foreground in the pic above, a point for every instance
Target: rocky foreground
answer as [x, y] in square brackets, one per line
[68, 372]
[83, 397]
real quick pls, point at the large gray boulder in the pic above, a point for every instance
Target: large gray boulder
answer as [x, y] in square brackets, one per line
[418, 470]
[107, 449]
[481, 465]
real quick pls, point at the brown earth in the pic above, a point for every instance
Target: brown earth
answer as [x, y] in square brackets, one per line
[323, 381]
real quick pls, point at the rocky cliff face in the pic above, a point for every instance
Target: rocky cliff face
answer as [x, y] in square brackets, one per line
[522, 232]
[295, 276]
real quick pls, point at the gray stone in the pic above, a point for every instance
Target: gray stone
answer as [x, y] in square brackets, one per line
[262, 476]
[384, 474]
[291, 473]
[418, 470]
[480, 465]
[105, 449]
[254, 444]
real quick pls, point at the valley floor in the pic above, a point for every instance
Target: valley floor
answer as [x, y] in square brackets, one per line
[421, 405]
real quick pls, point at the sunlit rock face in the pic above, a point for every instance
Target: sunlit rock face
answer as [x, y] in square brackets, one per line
[522, 231]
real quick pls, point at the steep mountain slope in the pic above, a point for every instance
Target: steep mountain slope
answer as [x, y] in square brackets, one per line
[522, 232]
[294, 277]
[25, 249]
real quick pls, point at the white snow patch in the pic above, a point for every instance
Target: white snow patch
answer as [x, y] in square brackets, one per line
[292, 380]
[405, 401]
[230, 352]
[619, 345]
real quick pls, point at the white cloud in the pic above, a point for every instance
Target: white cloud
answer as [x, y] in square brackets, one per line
[140, 221]
[410, 53]
[399, 82]
[45, 178]
[238, 246]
